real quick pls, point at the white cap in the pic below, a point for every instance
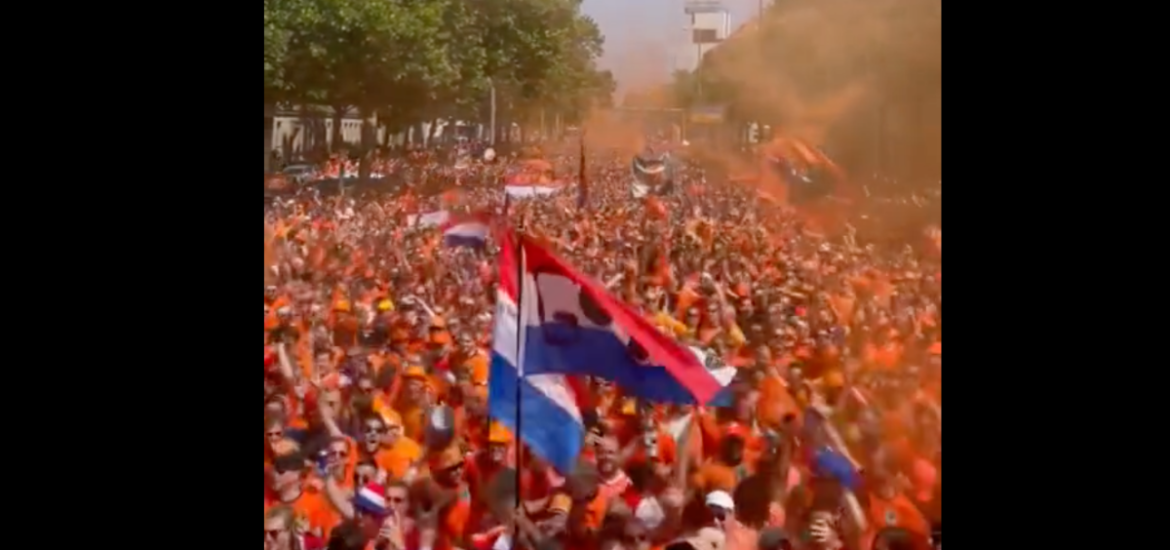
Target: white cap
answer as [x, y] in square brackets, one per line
[720, 499]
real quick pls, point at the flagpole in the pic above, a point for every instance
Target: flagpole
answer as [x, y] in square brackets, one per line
[519, 247]
[583, 186]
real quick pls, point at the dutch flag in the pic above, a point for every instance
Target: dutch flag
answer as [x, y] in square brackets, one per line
[471, 231]
[542, 409]
[552, 326]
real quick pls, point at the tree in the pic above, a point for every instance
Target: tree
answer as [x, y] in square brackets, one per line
[542, 56]
[408, 61]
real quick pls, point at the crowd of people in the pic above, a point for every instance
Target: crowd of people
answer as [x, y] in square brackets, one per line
[832, 441]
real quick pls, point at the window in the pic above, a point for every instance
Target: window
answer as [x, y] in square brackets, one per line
[704, 36]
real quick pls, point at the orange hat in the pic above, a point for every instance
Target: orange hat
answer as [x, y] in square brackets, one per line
[447, 458]
[499, 434]
[440, 337]
[341, 305]
[415, 371]
[390, 417]
[834, 379]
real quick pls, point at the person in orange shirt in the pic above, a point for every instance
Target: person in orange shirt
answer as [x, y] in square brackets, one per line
[310, 508]
[587, 508]
[341, 453]
[412, 402]
[482, 467]
[445, 496]
[384, 445]
[890, 507]
[727, 468]
[472, 415]
[650, 443]
[273, 437]
[471, 360]
[399, 453]
[613, 480]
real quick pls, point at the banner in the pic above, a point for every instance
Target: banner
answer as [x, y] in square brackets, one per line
[653, 175]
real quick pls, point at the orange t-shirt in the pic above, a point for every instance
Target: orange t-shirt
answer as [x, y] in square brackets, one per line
[714, 476]
[896, 512]
[454, 523]
[397, 460]
[667, 451]
[593, 512]
[413, 422]
[775, 402]
[314, 509]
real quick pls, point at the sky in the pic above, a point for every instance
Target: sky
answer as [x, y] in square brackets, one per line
[645, 38]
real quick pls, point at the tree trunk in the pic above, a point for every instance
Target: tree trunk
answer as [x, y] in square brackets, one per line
[335, 139]
[306, 123]
[288, 145]
[369, 123]
[434, 128]
[384, 120]
[268, 138]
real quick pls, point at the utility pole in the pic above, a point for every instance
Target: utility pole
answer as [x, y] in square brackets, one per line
[493, 112]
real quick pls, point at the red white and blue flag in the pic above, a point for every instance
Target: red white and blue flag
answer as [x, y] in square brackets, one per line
[552, 325]
[468, 231]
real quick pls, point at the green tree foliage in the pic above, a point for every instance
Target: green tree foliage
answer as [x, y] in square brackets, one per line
[409, 61]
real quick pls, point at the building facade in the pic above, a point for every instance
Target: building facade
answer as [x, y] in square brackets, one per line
[709, 25]
[292, 133]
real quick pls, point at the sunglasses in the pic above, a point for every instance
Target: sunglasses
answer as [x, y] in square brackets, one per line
[375, 429]
[272, 533]
[275, 435]
[337, 454]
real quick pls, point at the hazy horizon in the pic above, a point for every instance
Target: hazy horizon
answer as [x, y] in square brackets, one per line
[645, 39]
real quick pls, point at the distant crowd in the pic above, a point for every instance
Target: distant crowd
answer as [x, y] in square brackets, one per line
[832, 440]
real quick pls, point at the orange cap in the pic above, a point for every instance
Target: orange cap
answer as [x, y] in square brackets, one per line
[499, 434]
[834, 379]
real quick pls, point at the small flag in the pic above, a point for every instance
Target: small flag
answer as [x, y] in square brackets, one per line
[471, 231]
